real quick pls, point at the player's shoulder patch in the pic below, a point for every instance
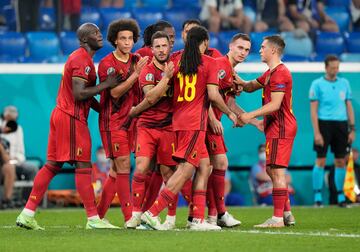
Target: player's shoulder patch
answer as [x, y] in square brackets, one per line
[221, 74]
[149, 77]
[110, 70]
[87, 70]
[280, 85]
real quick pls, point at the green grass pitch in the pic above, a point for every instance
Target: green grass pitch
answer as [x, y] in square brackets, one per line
[326, 229]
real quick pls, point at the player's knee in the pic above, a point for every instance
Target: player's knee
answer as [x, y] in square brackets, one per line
[340, 162]
[320, 162]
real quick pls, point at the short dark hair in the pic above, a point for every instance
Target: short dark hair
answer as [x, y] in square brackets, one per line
[126, 24]
[151, 29]
[159, 34]
[261, 146]
[276, 40]
[330, 58]
[242, 36]
[191, 21]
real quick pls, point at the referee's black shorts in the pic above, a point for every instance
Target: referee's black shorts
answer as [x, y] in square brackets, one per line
[335, 134]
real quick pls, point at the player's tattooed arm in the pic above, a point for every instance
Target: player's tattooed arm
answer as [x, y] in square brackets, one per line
[82, 92]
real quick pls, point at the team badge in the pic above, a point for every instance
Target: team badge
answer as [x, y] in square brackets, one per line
[194, 155]
[221, 74]
[342, 95]
[79, 152]
[116, 147]
[149, 77]
[110, 71]
[138, 148]
[87, 70]
[213, 145]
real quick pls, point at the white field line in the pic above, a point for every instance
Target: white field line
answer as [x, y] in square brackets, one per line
[316, 234]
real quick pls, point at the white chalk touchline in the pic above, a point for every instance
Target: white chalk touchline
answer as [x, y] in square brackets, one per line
[318, 234]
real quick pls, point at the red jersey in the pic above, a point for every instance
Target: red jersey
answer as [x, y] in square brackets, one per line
[79, 65]
[226, 79]
[145, 51]
[282, 123]
[114, 113]
[190, 101]
[159, 115]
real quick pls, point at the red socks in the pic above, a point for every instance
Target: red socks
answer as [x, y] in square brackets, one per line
[287, 207]
[279, 199]
[107, 196]
[199, 199]
[210, 198]
[138, 190]
[41, 183]
[218, 181]
[152, 191]
[172, 206]
[166, 197]
[86, 190]
[123, 192]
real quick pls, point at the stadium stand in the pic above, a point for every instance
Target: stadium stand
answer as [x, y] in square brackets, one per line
[12, 47]
[68, 42]
[329, 43]
[110, 14]
[341, 16]
[147, 16]
[91, 15]
[47, 19]
[177, 16]
[43, 47]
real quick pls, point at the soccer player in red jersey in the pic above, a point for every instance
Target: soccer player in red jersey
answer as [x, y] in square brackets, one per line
[155, 137]
[195, 85]
[279, 124]
[69, 137]
[239, 49]
[161, 25]
[116, 103]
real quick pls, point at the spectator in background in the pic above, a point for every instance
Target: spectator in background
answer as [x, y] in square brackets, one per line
[100, 171]
[261, 181]
[67, 14]
[355, 14]
[271, 14]
[7, 175]
[333, 120]
[15, 137]
[112, 3]
[27, 14]
[310, 14]
[225, 14]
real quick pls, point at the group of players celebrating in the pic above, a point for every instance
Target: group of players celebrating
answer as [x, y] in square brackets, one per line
[166, 108]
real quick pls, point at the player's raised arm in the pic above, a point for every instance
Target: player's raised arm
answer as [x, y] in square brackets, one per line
[249, 86]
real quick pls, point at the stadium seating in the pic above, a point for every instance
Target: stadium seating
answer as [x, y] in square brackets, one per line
[329, 43]
[250, 13]
[179, 44]
[110, 14]
[147, 16]
[155, 3]
[9, 14]
[68, 42]
[47, 20]
[107, 48]
[344, 3]
[297, 46]
[352, 41]
[341, 16]
[350, 57]
[214, 41]
[12, 47]
[43, 47]
[295, 58]
[177, 16]
[91, 15]
[253, 57]
[224, 39]
[187, 3]
[256, 40]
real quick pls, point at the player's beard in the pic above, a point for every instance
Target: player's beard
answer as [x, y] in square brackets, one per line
[162, 61]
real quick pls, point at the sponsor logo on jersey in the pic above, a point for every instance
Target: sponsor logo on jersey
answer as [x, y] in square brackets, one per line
[149, 77]
[87, 70]
[110, 71]
[221, 74]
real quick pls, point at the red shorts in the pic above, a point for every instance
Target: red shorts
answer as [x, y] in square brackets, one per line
[278, 151]
[190, 146]
[215, 144]
[69, 139]
[116, 143]
[156, 141]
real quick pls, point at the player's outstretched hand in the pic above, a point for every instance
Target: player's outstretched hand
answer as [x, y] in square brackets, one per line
[141, 63]
[216, 127]
[169, 69]
[233, 118]
[132, 113]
